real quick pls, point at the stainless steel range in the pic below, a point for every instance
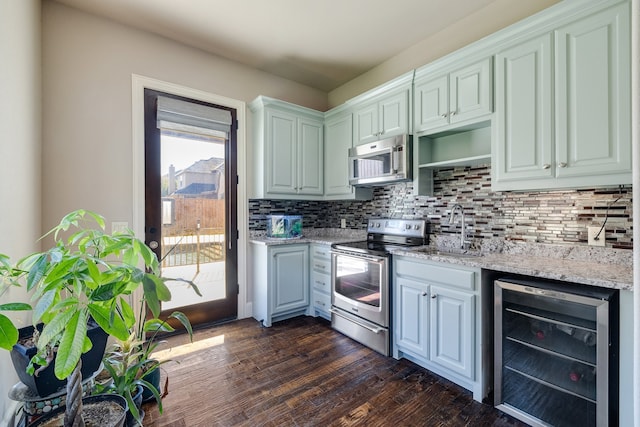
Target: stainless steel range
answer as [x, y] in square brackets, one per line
[360, 280]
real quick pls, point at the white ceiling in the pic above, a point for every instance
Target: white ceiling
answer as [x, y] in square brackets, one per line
[320, 43]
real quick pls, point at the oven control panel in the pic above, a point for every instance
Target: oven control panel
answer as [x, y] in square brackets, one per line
[396, 226]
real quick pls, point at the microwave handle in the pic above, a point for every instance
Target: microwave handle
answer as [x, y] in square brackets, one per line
[395, 159]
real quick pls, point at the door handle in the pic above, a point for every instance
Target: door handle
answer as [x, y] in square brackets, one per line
[153, 244]
[372, 329]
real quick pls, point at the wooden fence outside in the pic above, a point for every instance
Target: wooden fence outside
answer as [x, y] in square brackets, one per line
[196, 234]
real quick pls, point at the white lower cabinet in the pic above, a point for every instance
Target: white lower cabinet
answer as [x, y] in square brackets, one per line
[411, 316]
[321, 280]
[451, 336]
[280, 280]
[436, 320]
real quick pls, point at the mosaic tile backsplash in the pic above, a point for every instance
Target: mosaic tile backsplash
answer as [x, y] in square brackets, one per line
[545, 216]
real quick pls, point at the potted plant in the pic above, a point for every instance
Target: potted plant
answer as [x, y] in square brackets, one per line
[124, 363]
[130, 364]
[88, 275]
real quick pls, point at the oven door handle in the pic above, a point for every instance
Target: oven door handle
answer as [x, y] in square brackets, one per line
[375, 330]
[359, 255]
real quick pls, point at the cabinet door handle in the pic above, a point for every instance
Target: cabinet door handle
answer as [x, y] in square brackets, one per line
[562, 164]
[320, 283]
[445, 115]
[452, 113]
[424, 294]
[434, 296]
[546, 166]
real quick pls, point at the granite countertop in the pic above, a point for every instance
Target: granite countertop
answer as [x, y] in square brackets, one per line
[325, 236]
[588, 265]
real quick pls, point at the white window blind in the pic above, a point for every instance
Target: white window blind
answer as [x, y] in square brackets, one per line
[175, 115]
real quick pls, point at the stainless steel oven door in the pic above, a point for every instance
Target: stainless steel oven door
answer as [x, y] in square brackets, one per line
[360, 285]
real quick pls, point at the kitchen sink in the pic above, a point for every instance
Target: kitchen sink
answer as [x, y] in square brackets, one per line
[457, 253]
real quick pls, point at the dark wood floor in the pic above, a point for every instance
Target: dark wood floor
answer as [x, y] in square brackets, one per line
[300, 372]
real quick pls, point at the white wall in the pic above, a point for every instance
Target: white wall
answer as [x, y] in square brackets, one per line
[19, 151]
[87, 138]
[493, 17]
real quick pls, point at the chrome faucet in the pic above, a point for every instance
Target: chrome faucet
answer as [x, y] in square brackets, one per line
[458, 207]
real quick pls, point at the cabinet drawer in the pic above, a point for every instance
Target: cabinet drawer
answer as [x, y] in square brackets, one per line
[320, 251]
[321, 265]
[321, 281]
[462, 279]
[321, 301]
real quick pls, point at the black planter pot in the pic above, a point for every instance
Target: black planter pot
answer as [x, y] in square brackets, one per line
[137, 399]
[46, 382]
[55, 417]
[153, 378]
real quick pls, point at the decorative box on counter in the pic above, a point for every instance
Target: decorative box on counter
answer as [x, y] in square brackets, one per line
[284, 226]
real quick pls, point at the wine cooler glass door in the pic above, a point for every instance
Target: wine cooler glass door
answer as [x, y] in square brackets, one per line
[553, 359]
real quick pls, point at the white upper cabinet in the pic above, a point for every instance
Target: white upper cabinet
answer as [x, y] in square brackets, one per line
[288, 150]
[383, 118]
[310, 156]
[453, 98]
[523, 123]
[338, 139]
[592, 95]
[563, 107]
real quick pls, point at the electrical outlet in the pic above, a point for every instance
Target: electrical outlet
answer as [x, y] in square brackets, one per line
[343, 223]
[592, 232]
[117, 227]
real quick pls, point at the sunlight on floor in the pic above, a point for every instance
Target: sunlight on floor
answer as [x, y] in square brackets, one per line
[183, 349]
[210, 280]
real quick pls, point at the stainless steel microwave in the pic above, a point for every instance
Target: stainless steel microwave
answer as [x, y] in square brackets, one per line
[381, 162]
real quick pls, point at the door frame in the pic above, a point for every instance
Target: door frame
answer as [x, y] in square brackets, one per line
[138, 85]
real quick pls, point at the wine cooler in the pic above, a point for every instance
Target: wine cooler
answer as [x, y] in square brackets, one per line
[556, 353]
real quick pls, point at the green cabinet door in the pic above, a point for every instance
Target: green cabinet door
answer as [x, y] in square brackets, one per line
[366, 127]
[281, 152]
[289, 278]
[310, 149]
[452, 330]
[563, 107]
[431, 104]
[393, 114]
[462, 96]
[338, 140]
[593, 95]
[382, 118]
[523, 121]
[470, 92]
[412, 316]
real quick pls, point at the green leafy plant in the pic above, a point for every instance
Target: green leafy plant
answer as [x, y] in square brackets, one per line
[89, 274]
[8, 331]
[129, 361]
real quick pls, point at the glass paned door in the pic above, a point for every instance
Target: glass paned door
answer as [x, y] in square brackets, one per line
[191, 211]
[193, 218]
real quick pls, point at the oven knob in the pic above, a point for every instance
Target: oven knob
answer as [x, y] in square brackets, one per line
[416, 227]
[408, 227]
[377, 225]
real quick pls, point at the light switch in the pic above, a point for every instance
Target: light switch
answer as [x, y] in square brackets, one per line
[119, 226]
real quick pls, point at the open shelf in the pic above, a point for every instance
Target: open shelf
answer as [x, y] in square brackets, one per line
[464, 161]
[460, 148]
[464, 147]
